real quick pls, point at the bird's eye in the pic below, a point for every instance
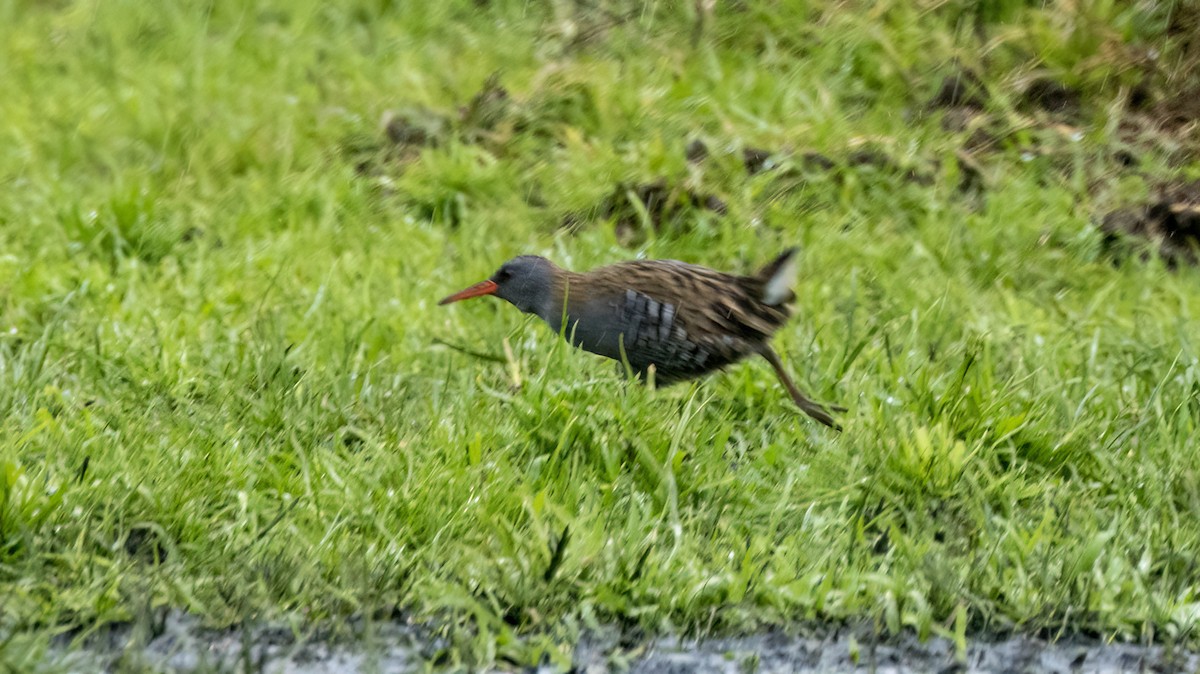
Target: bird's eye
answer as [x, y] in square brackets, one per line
[503, 274]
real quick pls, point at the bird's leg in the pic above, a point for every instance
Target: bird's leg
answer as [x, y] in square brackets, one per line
[811, 408]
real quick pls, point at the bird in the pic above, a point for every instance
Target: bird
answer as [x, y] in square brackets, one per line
[676, 319]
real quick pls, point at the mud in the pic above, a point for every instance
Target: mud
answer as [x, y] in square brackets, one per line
[1156, 109]
[1053, 97]
[1175, 112]
[414, 127]
[759, 160]
[961, 89]
[659, 204]
[795, 166]
[1169, 223]
[181, 645]
[754, 159]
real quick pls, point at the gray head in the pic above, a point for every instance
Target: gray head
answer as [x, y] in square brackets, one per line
[528, 282]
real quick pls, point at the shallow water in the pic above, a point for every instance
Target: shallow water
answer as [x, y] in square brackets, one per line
[182, 645]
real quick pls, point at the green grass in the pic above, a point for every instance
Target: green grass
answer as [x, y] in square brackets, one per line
[223, 386]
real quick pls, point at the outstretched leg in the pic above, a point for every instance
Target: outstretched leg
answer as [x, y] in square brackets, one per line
[811, 408]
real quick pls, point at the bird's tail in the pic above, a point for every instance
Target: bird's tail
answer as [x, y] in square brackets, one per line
[777, 278]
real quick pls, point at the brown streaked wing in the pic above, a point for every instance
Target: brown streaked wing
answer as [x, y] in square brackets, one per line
[709, 305]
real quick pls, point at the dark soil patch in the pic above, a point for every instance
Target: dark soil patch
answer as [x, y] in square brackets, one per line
[1184, 29]
[1163, 117]
[961, 89]
[962, 100]
[406, 132]
[756, 160]
[658, 204]
[492, 119]
[414, 127]
[145, 543]
[877, 159]
[1168, 223]
[1053, 97]
[1176, 113]
[696, 151]
[1051, 121]
[1153, 90]
[963, 93]
[760, 160]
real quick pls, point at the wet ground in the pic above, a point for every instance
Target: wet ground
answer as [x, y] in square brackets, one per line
[182, 645]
